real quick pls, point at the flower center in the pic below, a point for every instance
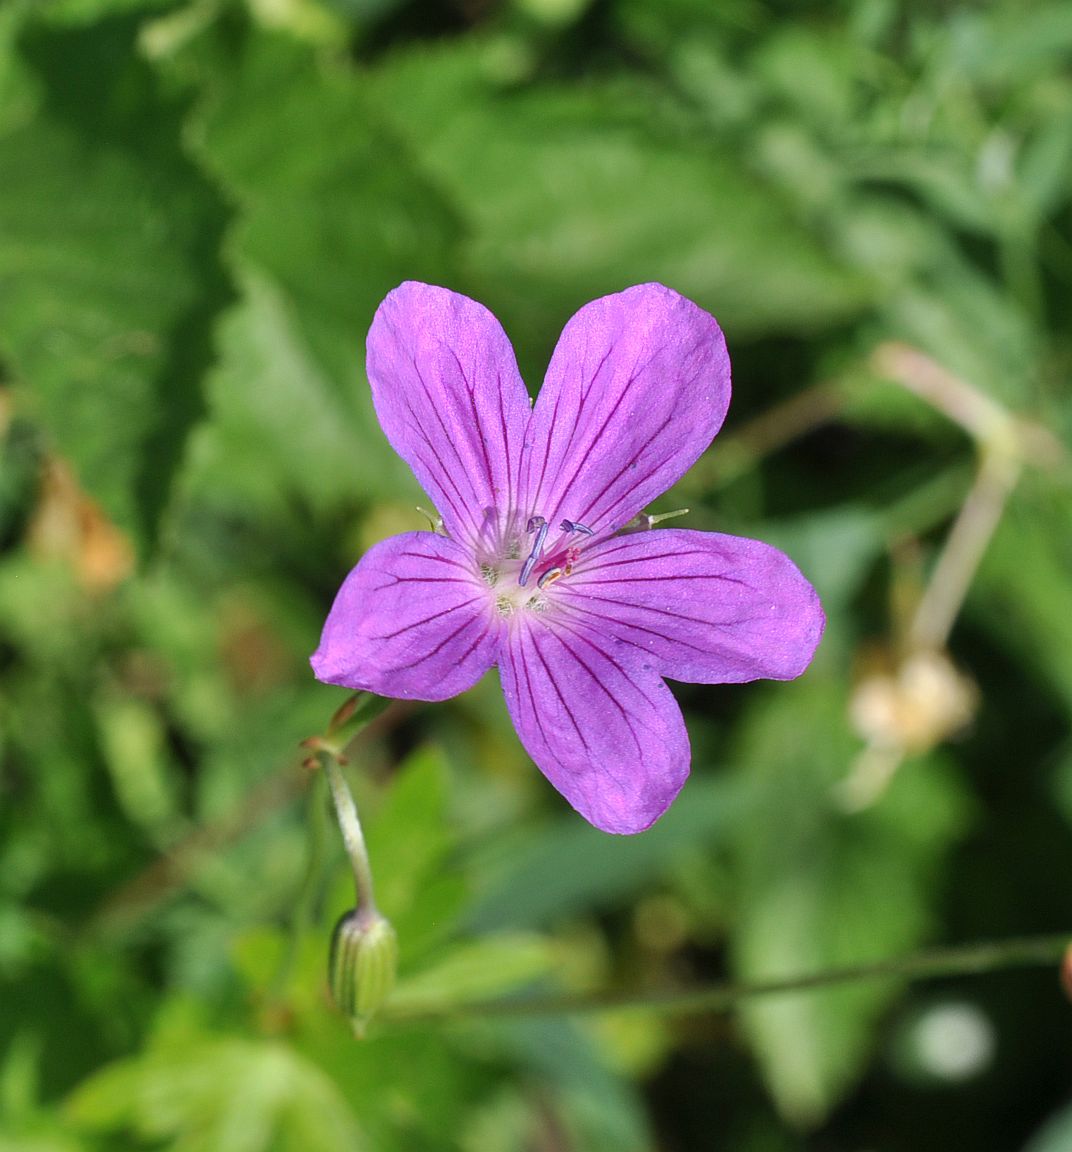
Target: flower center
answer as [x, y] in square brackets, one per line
[559, 565]
[521, 584]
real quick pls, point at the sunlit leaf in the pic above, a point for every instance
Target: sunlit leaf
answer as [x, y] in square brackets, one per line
[107, 295]
[570, 193]
[332, 216]
[210, 1094]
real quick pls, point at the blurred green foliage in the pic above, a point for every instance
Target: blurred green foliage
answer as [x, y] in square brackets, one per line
[201, 205]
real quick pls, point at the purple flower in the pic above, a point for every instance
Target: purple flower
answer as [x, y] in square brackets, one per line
[534, 572]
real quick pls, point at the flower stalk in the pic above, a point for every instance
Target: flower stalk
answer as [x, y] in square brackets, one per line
[353, 837]
[364, 945]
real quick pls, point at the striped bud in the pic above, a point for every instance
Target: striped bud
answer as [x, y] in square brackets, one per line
[362, 965]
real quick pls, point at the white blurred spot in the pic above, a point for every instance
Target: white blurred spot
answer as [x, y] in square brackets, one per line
[954, 1041]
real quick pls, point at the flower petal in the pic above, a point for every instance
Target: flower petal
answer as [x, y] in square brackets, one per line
[703, 608]
[450, 400]
[611, 741]
[412, 620]
[637, 388]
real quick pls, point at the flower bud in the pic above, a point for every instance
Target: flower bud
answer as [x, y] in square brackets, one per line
[362, 965]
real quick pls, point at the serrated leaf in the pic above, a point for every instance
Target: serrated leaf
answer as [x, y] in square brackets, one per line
[973, 328]
[332, 217]
[270, 389]
[108, 277]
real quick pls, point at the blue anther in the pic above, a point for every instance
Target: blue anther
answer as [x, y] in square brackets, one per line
[575, 526]
[538, 525]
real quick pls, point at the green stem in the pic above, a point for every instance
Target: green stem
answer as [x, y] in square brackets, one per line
[352, 836]
[964, 548]
[962, 960]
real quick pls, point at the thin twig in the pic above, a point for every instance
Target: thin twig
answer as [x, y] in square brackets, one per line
[955, 570]
[962, 960]
[985, 420]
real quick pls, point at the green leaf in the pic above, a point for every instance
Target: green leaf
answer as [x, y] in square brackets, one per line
[937, 176]
[1055, 1135]
[573, 191]
[1022, 587]
[18, 91]
[1010, 45]
[820, 888]
[475, 970]
[331, 217]
[207, 1094]
[597, 1108]
[812, 68]
[134, 748]
[84, 12]
[40, 1142]
[108, 276]
[271, 389]
[409, 840]
[570, 867]
[973, 328]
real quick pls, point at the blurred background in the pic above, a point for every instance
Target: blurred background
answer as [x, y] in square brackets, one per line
[201, 205]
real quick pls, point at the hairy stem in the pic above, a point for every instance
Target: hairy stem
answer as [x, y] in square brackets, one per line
[352, 836]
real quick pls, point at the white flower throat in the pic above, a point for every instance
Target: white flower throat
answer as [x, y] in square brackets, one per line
[546, 567]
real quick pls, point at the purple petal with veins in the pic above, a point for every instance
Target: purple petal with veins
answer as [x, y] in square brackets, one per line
[583, 623]
[610, 738]
[700, 607]
[637, 388]
[449, 397]
[410, 621]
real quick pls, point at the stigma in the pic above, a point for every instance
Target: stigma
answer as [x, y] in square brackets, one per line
[562, 564]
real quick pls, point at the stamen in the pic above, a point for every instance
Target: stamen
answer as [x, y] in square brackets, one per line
[576, 526]
[549, 577]
[538, 525]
